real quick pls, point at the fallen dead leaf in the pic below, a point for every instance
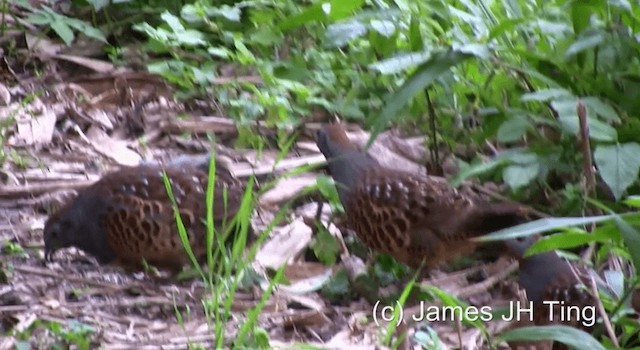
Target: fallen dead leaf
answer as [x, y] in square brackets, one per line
[114, 149]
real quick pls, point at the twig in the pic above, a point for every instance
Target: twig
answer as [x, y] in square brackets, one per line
[587, 169]
[53, 274]
[433, 147]
[605, 319]
[587, 164]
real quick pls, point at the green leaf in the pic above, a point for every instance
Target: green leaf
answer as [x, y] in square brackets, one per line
[63, 30]
[312, 13]
[557, 29]
[540, 226]
[618, 165]
[476, 169]
[505, 26]
[570, 239]
[172, 21]
[383, 27]
[513, 128]
[339, 34]
[581, 12]
[39, 18]
[601, 108]
[633, 201]
[415, 37]
[262, 338]
[478, 50]
[401, 62]
[221, 52]
[325, 247]
[545, 95]
[341, 9]
[567, 335]
[517, 176]
[231, 13]
[425, 75]
[568, 117]
[190, 37]
[631, 238]
[327, 187]
[586, 42]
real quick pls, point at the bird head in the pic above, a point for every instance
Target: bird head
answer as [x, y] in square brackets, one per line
[59, 232]
[346, 162]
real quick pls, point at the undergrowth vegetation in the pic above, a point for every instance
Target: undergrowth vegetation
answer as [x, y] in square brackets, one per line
[539, 95]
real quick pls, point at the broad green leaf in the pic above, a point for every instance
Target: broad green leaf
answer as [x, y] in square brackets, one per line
[545, 95]
[618, 165]
[325, 247]
[534, 73]
[190, 37]
[426, 74]
[221, 52]
[513, 128]
[521, 157]
[39, 18]
[505, 26]
[580, 15]
[383, 27]
[478, 50]
[63, 30]
[553, 28]
[172, 21]
[564, 334]
[517, 176]
[476, 169]
[311, 13]
[341, 9]
[585, 42]
[601, 108]
[90, 31]
[327, 187]
[229, 12]
[400, 62]
[568, 117]
[570, 239]
[339, 34]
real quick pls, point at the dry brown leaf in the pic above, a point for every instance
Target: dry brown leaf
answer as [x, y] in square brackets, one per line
[35, 129]
[42, 46]
[96, 65]
[112, 148]
[5, 95]
[285, 243]
[286, 189]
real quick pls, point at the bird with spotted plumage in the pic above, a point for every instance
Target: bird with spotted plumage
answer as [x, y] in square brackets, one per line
[411, 217]
[545, 278]
[127, 216]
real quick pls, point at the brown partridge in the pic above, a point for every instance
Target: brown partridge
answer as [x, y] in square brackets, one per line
[548, 278]
[408, 216]
[126, 217]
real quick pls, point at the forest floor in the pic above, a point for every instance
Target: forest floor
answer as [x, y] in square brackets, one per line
[68, 118]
